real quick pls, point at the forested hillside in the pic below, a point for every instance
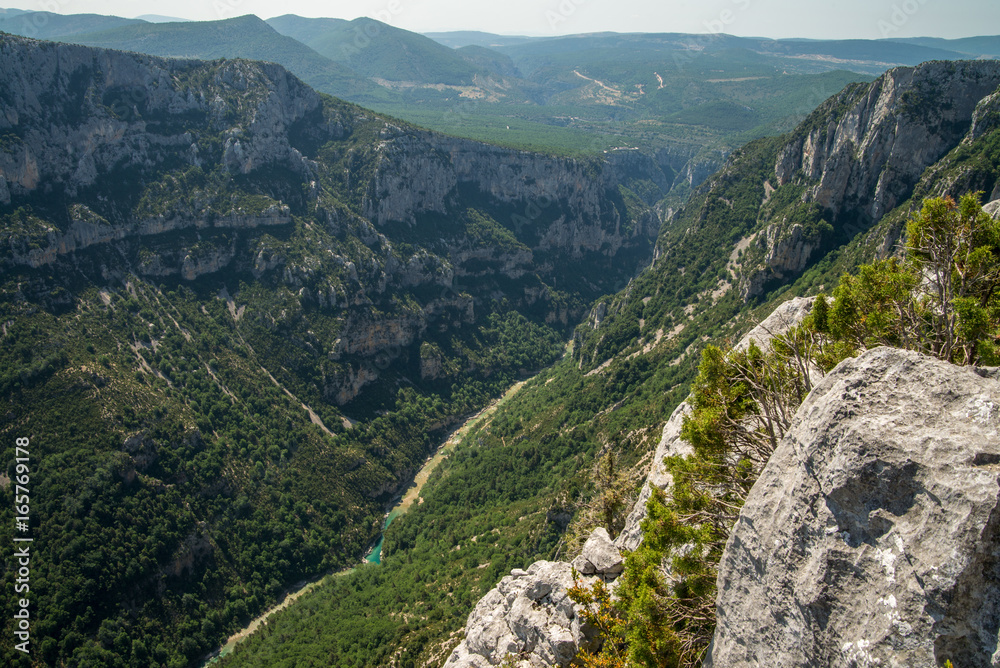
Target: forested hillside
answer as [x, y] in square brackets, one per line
[236, 316]
[787, 229]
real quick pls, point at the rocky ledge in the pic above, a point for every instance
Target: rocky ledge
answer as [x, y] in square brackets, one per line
[872, 538]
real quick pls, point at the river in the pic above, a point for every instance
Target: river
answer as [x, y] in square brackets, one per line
[398, 506]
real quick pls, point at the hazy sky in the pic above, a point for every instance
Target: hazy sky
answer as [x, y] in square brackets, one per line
[868, 19]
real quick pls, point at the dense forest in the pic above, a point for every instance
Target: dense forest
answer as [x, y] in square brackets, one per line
[224, 376]
[634, 359]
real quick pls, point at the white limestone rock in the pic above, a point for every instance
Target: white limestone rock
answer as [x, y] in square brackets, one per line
[528, 616]
[872, 537]
[600, 556]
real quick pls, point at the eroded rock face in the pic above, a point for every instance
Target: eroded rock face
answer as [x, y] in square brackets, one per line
[558, 201]
[865, 155]
[907, 119]
[528, 617]
[872, 538]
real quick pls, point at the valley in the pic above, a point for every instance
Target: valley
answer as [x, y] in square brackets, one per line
[399, 506]
[437, 323]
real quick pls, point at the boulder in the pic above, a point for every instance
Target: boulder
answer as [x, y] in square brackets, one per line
[600, 556]
[872, 537]
[529, 617]
[992, 208]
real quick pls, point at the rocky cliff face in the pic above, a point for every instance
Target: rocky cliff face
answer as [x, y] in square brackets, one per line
[861, 154]
[74, 114]
[561, 200]
[121, 163]
[871, 538]
[864, 160]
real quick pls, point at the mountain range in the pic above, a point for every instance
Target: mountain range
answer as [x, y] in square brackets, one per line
[238, 314]
[683, 94]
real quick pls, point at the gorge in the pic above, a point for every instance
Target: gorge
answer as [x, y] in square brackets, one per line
[239, 314]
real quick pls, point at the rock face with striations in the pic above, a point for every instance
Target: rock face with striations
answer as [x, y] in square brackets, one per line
[862, 152]
[866, 160]
[872, 538]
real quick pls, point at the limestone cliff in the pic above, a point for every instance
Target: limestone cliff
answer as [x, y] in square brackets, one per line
[863, 161]
[528, 619]
[860, 154]
[563, 203]
[118, 163]
[871, 536]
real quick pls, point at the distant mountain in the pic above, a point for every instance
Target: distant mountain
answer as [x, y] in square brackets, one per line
[157, 18]
[488, 60]
[378, 50]
[866, 56]
[690, 99]
[241, 37]
[46, 25]
[854, 50]
[460, 38]
[977, 47]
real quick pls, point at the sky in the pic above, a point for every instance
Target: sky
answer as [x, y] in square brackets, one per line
[817, 19]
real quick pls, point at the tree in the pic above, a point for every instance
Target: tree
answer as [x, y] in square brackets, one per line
[943, 299]
[955, 248]
[611, 494]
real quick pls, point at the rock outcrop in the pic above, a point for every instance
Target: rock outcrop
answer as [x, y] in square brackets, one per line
[862, 152]
[866, 160]
[872, 537]
[529, 618]
[670, 445]
[600, 556]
